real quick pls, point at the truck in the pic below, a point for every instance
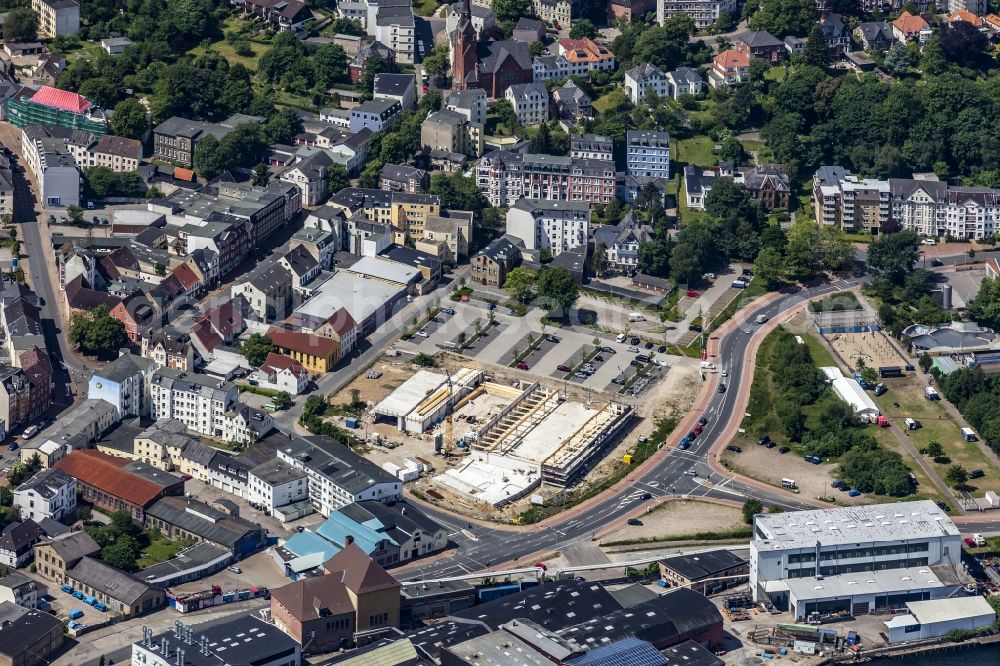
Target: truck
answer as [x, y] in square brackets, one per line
[969, 435]
[931, 393]
[707, 365]
[911, 424]
[636, 316]
[788, 483]
[864, 383]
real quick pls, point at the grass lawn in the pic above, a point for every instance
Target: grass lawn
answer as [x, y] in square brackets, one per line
[225, 49]
[820, 353]
[937, 425]
[426, 7]
[764, 154]
[87, 51]
[601, 103]
[161, 550]
[684, 213]
[775, 74]
[698, 150]
[297, 101]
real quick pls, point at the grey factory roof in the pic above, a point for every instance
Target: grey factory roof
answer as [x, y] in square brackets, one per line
[702, 565]
[430, 640]
[628, 651]
[14, 580]
[199, 556]
[236, 640]
[677, 613]
[399, 520]
[336, 462]
[106, 579]
[202, 520]
[19, 635]
[123, 367]
[553, 606]
[498, 647]
[852, 524]
[46, 483]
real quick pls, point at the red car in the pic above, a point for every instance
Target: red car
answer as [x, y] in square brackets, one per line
[691, 293]
[562, 368]
[521, 365]
[698, 428]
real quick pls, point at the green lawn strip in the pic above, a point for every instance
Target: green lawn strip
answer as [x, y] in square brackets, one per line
[937, 425]
[161, 550]
[698, 150]
[819, 351]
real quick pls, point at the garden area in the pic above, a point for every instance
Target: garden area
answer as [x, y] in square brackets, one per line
[126, 546]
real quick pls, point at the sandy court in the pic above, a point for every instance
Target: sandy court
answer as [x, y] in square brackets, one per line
[873, 348]
[680, 518]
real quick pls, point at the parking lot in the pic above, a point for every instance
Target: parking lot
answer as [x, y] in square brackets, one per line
[63, 603]
[555, 353]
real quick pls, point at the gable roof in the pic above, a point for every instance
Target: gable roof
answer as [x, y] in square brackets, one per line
[302, 342]
[186, 276]
[909, 24]
[360, 573]
[61, 99]
[874, 30]
[108, 580]
[71, 547]
[306, 599]
[19, 536]
[731, 58]
[105, 472]
[759, 39]
[281, 362]
[501, 52]
[644, 72]
[964, 14]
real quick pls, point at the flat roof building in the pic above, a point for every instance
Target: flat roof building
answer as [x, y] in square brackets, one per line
[847, 540]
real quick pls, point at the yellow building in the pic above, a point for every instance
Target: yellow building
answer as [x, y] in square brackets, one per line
[317, 354]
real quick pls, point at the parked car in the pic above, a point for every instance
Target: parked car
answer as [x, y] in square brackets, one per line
[580, 375]
[691, 472]
[734, 448]
[648, 345]
[721, 389]
[608, 350]
[698, 429]
[695, 328]
[854, 493]
[422, 333]
[562, 368]
[448, 311]
[642, 358]
[936, 262]
[647, 496]
[634, 341]
[552, 338]
[763, 439]
[633, 350]
[976, 474]
[634, 521]
[944, 507]
[521, 365]
[783, 450]
[618, 380]
[662, 349]
[703, 421]
[235, 569]
[840, 485]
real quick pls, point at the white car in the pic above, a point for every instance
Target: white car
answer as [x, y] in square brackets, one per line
[660, 363]
[929, 241]
[690, 472]
[633, 350]
[422, 334]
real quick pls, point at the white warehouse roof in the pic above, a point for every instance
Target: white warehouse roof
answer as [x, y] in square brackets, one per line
[897, 521]
[410, 393]
[947, 610]
[384, 269]
[848, 390]
[890, 581]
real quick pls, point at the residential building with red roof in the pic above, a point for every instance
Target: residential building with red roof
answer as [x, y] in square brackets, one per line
[585, 55]
[992, 21]
[282, 373]
[115, 484]
[729, 68]
[967, 16]
[316, 353]
[138, 315]
[909, 27]
[219, 326]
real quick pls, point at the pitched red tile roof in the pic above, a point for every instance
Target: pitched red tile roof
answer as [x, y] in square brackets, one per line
[993, 266]
[105, 472]
[732, 58]
[184, 174]
[967, 16]
[61, 99]
[305, 343]
[281, 362]
[342, 322]
[305, 599]
[186, 276]
[36, 366]
[359, 572]
[909, 24]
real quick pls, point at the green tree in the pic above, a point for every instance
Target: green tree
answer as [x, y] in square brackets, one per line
[75, 213]
[161, 269]
[769, 267]
[732, 150]
[23, 470]
[600, 259]
[892, 256]
[505, 113]
[695, 253]
[751, 508]
[376, 65]
[329, 65]
[557, 286]
[925, 361]
[956, 475]
[510, 10]
[282, 401]
[337, 178]
[816, 52]
[785, 17]
[457, 192]
[121, 553]
[437, 62]
[934, 449]
[583, 28]
[424, 360]
[985, 306]
[21, 25]
[208, 157]
[521, 283]
[128, 119]
[256, 348]
[261, 175]
[97, 333]
[279, 128]
[898, 59]
[654, 257]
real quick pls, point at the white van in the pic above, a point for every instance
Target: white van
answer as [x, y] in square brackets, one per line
[911, 424]
[620, 337]
[30, 432]
[707, 365]
[788, 483]
[635, 316]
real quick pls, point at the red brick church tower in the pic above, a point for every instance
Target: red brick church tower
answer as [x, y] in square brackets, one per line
[463, 52]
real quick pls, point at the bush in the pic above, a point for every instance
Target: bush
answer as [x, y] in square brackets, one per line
[876, 471]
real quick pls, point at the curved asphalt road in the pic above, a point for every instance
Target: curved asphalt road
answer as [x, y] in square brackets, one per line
[490, 546]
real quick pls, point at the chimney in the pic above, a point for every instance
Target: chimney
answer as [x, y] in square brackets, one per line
[348, 540]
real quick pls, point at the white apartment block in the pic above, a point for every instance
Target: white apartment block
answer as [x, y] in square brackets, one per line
[648, 153]
[337, 475]
[643, 77]
[470, 103]
[198, 401]
[553, 225]
[395, 27]
[704, 13]
[808, 553]
[49, 494]
[276, 483]
[530, 102]
[54, 169]
[591, 147]
[56, 18]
